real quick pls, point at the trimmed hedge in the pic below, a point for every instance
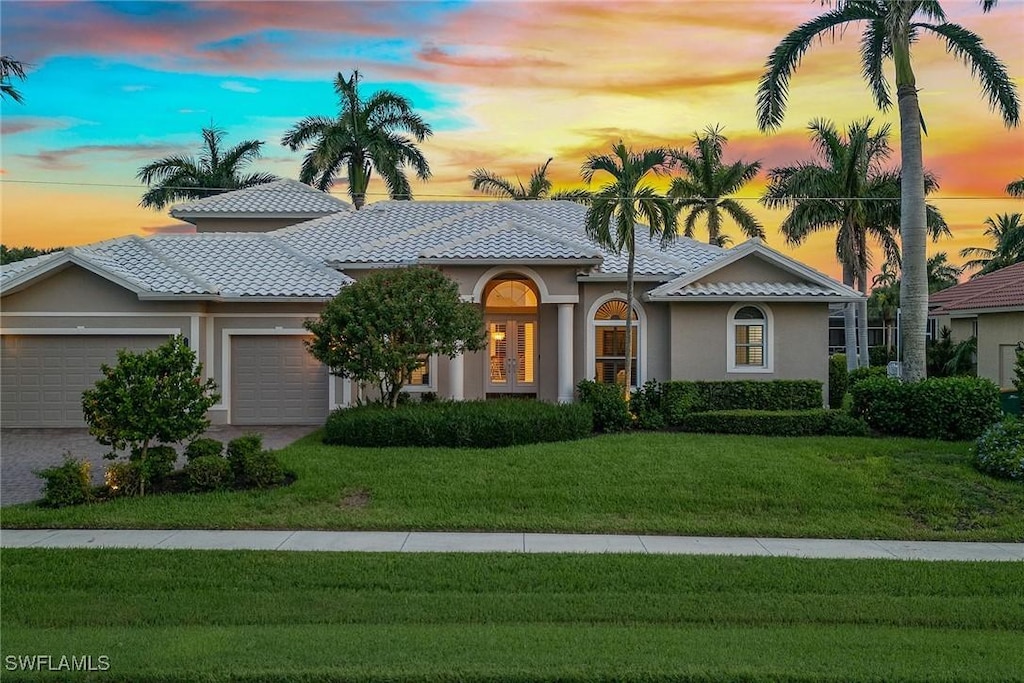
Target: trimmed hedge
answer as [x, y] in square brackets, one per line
[610, 411]
[1000, 450]
[838, 380]
[858, 375]
[679, 399]
[208, 473]
[949, 408]
[818, 422]
[474, 424]
[203, 447]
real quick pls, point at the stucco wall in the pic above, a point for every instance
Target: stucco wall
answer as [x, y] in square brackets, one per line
[799, 334]
[998, 334]
[751, 268]
[75, 289]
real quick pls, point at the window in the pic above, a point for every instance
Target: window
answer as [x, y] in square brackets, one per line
[510, 294]
[422, 378]
[750, 339]
[609, 349]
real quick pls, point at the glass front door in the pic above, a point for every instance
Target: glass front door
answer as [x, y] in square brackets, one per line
[512, 356]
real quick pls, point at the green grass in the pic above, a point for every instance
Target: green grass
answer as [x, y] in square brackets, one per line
[221, 615]
[656, 483]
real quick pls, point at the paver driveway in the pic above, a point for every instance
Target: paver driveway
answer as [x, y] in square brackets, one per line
[24, 451]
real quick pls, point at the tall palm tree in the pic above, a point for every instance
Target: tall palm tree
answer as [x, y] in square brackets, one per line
[1016, 188]
[616, 208]
[707, 184]
[1007, 232]
[539, 186]
[885, 298]
[366, 136]
[847, 189]
[11, 68]
[179, 177]
[941, 273]
[890, 28]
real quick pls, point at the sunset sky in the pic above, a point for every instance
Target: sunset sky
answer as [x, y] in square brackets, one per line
[505, 85]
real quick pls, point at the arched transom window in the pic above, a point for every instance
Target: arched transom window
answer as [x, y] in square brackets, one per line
[750, 339]
[609, 327]
[510, 294]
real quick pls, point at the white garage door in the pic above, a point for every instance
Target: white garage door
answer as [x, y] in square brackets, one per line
[274, 380]
[42, 377]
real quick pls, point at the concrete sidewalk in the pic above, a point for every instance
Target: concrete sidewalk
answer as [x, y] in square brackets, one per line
[444, 542]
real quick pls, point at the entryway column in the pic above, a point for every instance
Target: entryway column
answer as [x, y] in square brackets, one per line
[565, 359]
[457, 377]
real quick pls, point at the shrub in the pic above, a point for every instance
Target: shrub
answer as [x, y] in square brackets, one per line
[610, 411]
[645, 404]
[950, 408]
[1018, 374]
[681, 398]
[478, 424]
[240, 449]
[208, 473]
[858, 375]
[880, 355]
[999, 451]
[261, 470]
[158, 464]
[67, 483]
[817, 422]
[124, 478]
[203, 447]
[838, 380]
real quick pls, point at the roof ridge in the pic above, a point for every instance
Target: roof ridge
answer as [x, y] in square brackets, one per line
[466, 239]
[308, 260]
[591, 250]
[210, 287]
[982, 288]
[418, 229]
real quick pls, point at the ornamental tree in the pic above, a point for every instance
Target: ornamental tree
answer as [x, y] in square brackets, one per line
[379, 329]
[151, 397]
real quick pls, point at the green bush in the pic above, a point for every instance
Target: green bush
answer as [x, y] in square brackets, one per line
[67, 483]
[203, 447]
[817, 422]
[208, 473]
[858, 375]
[838, 380]
[240, 449]
[260, 470]
[477, 424]
[678, 399]
[610, 411]
[880, 355]
[999, 451]
[645, 404]
[124, 478]
[949, 408]
[159, 463]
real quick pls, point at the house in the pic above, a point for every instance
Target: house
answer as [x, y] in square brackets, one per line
[991, 308]
[261, 263]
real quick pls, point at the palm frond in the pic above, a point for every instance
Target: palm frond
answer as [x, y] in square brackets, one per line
[492, 184]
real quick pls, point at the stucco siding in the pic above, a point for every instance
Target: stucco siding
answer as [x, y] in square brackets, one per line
[751, 269]
[75, 289]
[998, 335]
[218, 224]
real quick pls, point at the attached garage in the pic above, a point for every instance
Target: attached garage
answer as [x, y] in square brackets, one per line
[274, 380]
[43, 376]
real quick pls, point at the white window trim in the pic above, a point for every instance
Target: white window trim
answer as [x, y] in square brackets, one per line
[424, 388]
[769, 340]
[641, 336]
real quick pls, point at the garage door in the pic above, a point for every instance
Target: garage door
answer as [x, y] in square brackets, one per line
[274, 380]
[43, 377]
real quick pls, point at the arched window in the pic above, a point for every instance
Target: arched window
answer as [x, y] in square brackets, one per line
[510, 294]
[608, 352]
[750, 339]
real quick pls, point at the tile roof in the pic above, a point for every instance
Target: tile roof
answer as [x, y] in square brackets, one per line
[1003, 288]
[9, 270]
[281, 197]
[753, 289]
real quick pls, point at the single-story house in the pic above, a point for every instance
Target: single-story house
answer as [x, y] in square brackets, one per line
[991, 308]
[265, 259]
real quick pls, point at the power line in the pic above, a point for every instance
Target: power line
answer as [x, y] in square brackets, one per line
[478, 196]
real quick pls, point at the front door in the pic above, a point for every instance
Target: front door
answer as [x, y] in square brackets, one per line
[512, 355]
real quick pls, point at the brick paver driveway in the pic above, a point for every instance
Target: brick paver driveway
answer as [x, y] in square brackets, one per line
[23, 451]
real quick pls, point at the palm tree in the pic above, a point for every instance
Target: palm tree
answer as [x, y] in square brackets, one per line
[617, 207]
[847, 189]
[1016, 188]
[885, 298]
[705, 188]
[11, 68]
[941, 273]
[1007, 232]
[179, 177]
[539, 186]
[365, 137]
[889, 31]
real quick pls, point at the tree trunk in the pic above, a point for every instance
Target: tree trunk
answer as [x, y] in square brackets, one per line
[142, 468]
[913, 226]
[629, 322]
[862, 321]
[849, 323]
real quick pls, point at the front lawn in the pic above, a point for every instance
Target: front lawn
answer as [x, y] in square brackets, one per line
[161, 615]
[662, 483]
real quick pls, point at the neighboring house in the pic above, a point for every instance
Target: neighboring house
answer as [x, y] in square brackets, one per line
[991, 308]
[552, 300]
